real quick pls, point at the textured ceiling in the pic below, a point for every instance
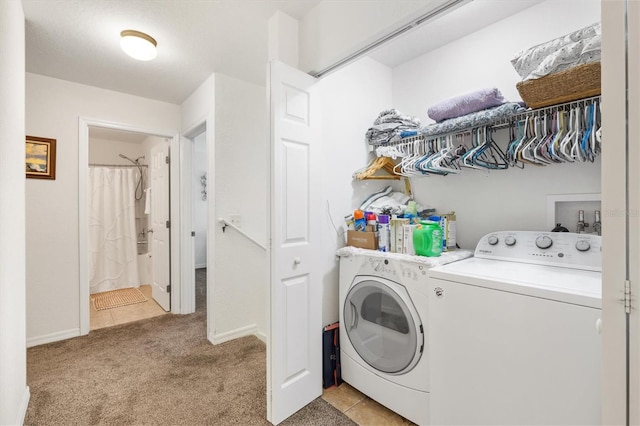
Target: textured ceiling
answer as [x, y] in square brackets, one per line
[78, 40]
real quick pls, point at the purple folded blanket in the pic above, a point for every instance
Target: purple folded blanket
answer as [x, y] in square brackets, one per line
[466, 103]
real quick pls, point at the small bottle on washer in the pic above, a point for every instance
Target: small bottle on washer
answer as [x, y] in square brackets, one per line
[383, 232]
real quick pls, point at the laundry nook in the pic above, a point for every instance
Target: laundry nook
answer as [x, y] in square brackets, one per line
[371, 212]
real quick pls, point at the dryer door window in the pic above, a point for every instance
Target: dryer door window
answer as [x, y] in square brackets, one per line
[383, 326]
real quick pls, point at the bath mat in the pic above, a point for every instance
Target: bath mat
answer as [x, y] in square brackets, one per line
[117, 298]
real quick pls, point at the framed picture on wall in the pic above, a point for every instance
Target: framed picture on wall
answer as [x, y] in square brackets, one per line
[40, 160]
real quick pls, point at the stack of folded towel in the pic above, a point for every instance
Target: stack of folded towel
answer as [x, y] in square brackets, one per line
[486, 117]
[466, 103]
[391, 125]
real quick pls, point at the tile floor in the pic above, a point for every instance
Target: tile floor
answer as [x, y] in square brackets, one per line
[360, 408]
[125, 314]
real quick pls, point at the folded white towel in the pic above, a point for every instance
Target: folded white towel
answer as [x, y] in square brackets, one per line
[147, 201]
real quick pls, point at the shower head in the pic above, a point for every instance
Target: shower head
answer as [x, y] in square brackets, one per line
[126, 158]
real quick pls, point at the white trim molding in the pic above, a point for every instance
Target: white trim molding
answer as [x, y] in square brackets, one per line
[53, 337]
[22, 412]
[249, 330]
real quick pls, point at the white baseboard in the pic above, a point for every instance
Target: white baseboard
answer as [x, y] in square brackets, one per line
[233, 334]
[53, 337]
[262, 337]
[26, 396]
[201, 265]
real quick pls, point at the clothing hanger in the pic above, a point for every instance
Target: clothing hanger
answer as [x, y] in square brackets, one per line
[561, 129]
[565, 144]
[467, 157]
[385, 164]
[540, 152]
[515, 140]
[490, 156]
[530, 137]
[528, 150]
[576, 152]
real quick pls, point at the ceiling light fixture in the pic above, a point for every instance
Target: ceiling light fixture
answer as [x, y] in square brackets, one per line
[138, 45]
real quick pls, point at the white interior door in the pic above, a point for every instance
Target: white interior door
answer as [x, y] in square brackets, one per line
[160, 247]
[294, 344]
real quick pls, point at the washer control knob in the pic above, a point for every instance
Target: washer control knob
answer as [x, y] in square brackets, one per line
[583, 245]
[544, 242]
[493, 240]
[510, 240]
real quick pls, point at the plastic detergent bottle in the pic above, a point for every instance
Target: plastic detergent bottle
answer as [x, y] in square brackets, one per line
[411, 212]
[440, 220]
[427, 239]
[383, 233]
[360, 222]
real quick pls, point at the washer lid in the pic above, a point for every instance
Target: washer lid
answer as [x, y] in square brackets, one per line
[549, 282]
[383, 326]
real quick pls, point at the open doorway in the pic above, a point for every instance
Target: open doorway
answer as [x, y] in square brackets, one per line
[127, 215]
[169, 226]
[199, 214]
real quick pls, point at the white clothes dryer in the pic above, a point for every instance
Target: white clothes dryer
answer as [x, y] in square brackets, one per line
[383, 328]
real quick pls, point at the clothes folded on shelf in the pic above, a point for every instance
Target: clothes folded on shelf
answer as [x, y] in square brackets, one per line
[389, 126]
[466, 103]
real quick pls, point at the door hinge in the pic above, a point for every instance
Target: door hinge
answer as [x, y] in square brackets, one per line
[166, 159]
[169, 288]
[193, 233]
[627, 297]
[168, 224]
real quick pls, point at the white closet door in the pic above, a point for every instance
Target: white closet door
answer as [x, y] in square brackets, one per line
[633, 176]
[294, 348]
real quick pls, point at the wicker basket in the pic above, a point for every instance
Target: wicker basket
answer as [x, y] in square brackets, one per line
[581, 81]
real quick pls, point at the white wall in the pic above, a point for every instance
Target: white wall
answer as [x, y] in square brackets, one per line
[199, 168]
[352, 98]
[14, 393]
[52, 110]
[241, 141]
[105, 151]
[488, 201]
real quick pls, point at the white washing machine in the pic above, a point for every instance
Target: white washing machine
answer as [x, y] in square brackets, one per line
[383, 329]
[514, 332]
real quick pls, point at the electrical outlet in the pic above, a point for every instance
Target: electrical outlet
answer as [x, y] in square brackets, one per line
[235, 220]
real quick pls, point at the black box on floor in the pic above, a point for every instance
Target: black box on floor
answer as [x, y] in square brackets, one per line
[331, 375]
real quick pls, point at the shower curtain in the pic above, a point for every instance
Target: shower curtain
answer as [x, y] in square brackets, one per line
[113, 254]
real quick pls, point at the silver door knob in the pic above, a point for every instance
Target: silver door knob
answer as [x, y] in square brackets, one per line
[296, 260]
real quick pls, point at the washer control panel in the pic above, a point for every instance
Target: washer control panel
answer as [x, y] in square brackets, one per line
[393, 270]
[566, 249]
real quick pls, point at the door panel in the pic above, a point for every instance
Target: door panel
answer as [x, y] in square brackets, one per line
[160, 248]
[295, 333]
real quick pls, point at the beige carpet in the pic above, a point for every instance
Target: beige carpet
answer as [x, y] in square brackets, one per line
[116, 298]
[159, 371]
